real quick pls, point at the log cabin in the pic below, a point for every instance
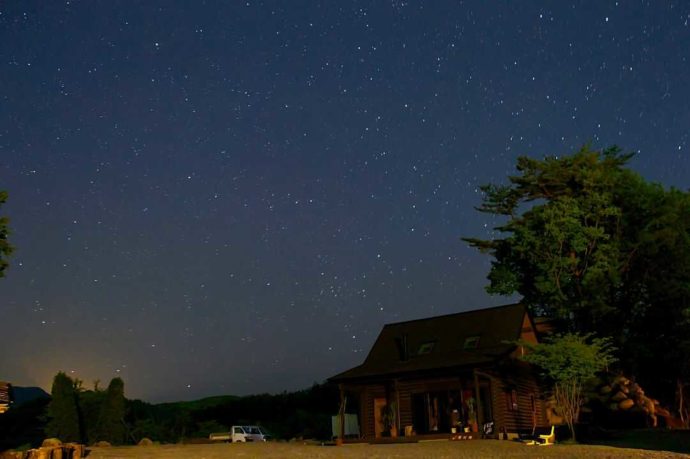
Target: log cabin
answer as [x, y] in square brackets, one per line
[444, 375]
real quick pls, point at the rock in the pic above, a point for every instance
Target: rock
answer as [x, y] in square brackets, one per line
[605, 390]
[51, 442]
[145, 442]
[102, 444]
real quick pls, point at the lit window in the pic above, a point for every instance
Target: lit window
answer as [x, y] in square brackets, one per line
[426, 348]
[471, 342]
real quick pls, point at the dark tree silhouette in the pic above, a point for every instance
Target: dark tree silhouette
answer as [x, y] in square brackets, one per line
[5, 247]
[111, 425]
[63, 411]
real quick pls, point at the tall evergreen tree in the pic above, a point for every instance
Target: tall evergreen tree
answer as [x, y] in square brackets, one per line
[111, 423]
[63, 412]
[90, 405]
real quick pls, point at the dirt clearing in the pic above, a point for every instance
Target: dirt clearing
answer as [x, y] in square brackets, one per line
[435, 449]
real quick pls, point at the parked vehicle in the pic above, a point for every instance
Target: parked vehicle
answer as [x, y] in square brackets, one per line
[220, 436]
[257, 433]
[241, 434]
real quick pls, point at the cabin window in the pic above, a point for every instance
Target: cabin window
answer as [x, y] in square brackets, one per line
[426, 348]
[471, 342]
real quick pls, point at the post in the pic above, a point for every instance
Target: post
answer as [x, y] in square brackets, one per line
[480, 414]
[341, 415]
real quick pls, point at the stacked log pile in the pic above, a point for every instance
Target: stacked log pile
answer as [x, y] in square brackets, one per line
[622, 394]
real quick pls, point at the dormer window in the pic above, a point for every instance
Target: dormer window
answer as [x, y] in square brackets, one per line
[401, 344]
[471, 342]
[426, 348]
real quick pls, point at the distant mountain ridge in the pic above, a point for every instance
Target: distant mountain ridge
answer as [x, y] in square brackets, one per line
[207, 402]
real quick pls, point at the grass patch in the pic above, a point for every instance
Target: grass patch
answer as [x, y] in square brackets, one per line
[652, 439]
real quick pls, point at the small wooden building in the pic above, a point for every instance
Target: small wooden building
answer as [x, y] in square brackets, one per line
[5, 399]
[453, 373]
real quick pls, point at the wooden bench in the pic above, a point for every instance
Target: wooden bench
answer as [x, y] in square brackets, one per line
[543, 436]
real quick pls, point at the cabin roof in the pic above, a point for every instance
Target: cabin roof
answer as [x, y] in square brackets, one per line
[462, 339]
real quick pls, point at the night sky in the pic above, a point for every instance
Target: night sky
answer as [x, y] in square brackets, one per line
[233, 197]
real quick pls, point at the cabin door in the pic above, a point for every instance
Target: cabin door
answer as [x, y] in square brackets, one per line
[379, 405]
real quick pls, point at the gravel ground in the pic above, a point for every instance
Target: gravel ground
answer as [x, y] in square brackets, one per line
[436, 449]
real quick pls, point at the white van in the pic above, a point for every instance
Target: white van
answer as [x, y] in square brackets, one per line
[241, 434]
[256, 433]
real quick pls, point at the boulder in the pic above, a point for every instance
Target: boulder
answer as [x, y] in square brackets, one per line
[145, 442]
[102, 444]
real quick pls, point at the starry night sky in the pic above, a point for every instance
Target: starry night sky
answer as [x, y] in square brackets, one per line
[233, 197]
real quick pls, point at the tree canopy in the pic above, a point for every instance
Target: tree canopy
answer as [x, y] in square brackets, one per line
[5, 247]
[570, 357]
[587, 240]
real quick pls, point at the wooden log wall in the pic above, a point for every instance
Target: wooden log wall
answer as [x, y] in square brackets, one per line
[527, 391]
[369, 393]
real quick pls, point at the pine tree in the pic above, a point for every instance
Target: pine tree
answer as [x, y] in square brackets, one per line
[90, 404]
[63, 412]
[111, 420]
